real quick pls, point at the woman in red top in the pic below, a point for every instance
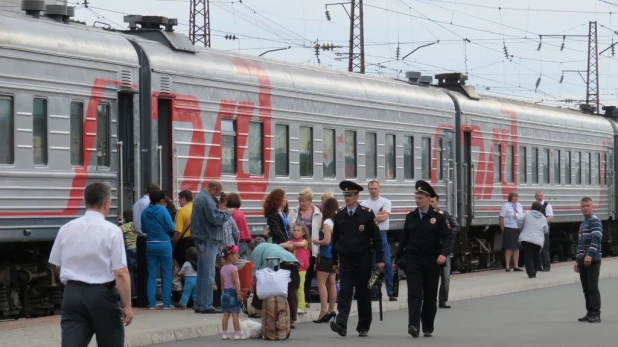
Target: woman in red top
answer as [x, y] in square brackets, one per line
[234, 201]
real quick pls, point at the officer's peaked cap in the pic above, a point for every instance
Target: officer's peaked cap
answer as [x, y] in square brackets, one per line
[350, 187]
[425, 188]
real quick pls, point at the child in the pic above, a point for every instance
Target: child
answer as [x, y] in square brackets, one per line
[130, 245]
[189, 272]
[299, 245]
[231, 297]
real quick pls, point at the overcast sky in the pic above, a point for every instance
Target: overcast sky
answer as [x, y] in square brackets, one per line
[261, 25]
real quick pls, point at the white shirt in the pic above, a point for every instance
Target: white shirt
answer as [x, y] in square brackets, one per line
[379, 204]
[549, 211]
[89, 249]
[508, 212]
[139, 207]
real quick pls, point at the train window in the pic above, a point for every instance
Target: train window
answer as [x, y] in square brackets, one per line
[103, 135]
[39, 131]
[509, 169]
[557, 166]
[604, 169]
[408, 157]
[391, 159]
[588, 169]
[76, 133]
[228, 147]
[305, 150]
[282, 157]
[578, 165]
[535, 165]
[440, 159]
[567, 167]
[426, 158]
[255, 148]
[6, 131]
[497, 162]
[371, 156]
[350, 154]
[329, 164]
[596, 168]
[546, 166]
[523, 168]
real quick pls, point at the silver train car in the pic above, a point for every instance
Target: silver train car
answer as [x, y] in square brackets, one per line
[80, 104]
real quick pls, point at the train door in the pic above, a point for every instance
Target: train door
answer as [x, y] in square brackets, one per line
[126, 153]
[165, 147]
[448, 167]
[468, 179]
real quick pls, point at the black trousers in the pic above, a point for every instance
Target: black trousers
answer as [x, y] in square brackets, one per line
[141, 281]
[91, 309]
[589, 277]
[308, 277]
[354, 274]
[532, 257]
[545, 256]
[422, 276]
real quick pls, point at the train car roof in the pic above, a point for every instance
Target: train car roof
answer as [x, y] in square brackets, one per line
[533, 113]
[213, 64]
[43, 35]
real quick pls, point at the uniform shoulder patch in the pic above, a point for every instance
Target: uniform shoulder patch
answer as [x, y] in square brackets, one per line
[441, 212]
[341, 209]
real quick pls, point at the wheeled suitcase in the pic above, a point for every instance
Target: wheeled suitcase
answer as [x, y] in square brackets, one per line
[276, 318]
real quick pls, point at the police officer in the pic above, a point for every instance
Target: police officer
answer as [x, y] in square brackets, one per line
[426, 243]
[356, 236]
[445, 273]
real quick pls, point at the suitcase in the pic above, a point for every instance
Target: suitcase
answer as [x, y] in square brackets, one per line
[276, 318]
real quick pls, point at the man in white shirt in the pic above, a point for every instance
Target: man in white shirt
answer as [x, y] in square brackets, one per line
[90, 255]
[381, 207]
[141, 283]
[548, 212]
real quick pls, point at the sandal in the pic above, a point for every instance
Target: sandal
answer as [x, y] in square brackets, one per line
[255, 315]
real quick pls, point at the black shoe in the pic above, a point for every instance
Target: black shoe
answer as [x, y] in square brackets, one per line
[428, 334]
[392, 298]
[517, 269]
[594, 319]
[444, 305]
[363, 334]
[583, 319]
[210, 311]
[413, 331]
[338, 328]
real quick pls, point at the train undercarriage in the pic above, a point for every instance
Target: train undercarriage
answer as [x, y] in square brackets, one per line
[29, 285]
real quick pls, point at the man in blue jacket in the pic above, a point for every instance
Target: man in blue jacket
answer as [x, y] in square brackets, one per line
[207, 233]
[588, 262]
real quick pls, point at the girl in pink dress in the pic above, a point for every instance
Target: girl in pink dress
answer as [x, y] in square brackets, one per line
[299, 245]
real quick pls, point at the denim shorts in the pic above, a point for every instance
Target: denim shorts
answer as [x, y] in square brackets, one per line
[229, 301]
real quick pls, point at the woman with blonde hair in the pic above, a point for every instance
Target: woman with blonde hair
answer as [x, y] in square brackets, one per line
[306, 212]
[510, 230]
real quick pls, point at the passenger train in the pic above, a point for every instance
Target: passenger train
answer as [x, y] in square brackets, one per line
[80, 104]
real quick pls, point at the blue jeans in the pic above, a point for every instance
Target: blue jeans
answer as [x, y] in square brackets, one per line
[131, 263]
[243, 250]
[388, 268]
[205, 275]
[188, 290]
[159, 254]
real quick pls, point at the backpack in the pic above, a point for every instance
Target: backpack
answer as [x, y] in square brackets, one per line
[276, 318]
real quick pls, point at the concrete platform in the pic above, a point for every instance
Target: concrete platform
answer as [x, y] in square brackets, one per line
[155, 327]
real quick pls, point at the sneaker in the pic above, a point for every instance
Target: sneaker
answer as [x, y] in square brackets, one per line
[301, 312]
[225, 337]
[239, 337]
[169, 308]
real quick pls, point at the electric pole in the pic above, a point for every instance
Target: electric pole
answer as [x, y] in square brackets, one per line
[592, 83]
[199, 22]
[356, 62]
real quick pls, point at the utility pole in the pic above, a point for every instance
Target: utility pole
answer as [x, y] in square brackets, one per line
[199, 22]
[356, 60]
[592, 83]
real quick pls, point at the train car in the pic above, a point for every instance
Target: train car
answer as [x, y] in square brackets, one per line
[61, 86]
[511, 146]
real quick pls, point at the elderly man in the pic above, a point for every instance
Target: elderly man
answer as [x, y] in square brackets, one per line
[260, 251]
[207, 233]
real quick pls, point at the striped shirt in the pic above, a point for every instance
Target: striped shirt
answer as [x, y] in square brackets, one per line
[590, 237]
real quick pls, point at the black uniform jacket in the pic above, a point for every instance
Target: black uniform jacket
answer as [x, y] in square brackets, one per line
[452, 221]
[355, 235]
[431, 236]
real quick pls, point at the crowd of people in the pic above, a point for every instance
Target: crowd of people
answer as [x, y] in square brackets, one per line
[209, 236]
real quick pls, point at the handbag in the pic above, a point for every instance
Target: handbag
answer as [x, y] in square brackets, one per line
[271, 283]
[182, 237]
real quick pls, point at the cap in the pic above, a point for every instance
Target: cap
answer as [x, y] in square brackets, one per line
[425, 188]
[350, 187]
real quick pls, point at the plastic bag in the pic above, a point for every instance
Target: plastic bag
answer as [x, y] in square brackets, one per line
[176, 279]
[271, 283]
[250, 329]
